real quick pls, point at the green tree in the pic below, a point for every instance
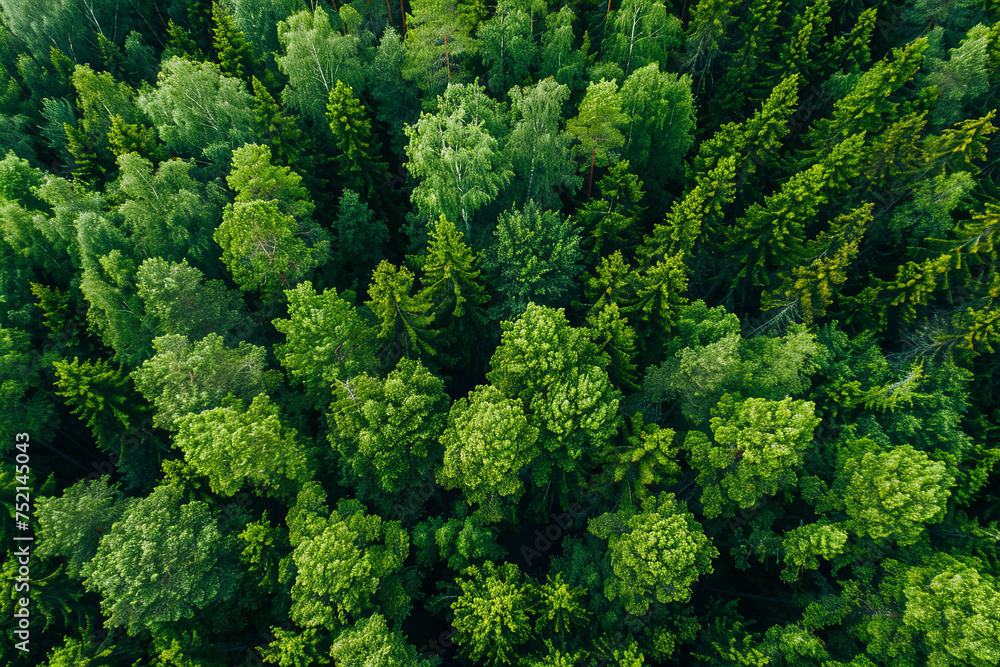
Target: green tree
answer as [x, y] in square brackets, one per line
[597, 125]
[253, 178]
[438, 39]
[660, 131]
[403, 315]
[261, 246]
[506, 45]
[559, 59]
[187, 377]
[360, 235]
[539, 151]
[237, 445]
[492, 613]
[99, 395]
[275, 128]
[656, 553]
[450, 280]
[370, 643]
[135, 138]
[535, 257]
[396, 100]
[487, 443]
[72, 525]
[459, 162]
[758, 447]
[235, 55]
[181, 301]
[163, 561]
[326, 341]
[199, 111]
[357, 154]
[640, 32]
[169, 213]
[315, 57]
[387, 431]
[362, 554]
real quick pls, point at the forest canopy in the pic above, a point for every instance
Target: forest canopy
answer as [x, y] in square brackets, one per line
[508, 334]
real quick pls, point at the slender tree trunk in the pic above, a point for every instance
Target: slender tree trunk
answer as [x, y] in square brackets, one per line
[389, 10]
[403, 12]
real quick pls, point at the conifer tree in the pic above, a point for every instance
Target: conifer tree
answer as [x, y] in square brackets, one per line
[276, 128]
[404, 317]
[356, 160]
[235, 55]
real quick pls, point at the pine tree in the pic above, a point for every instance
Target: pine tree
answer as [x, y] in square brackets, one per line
[235, 55]
[181, 44]
[84, 155]
[275, 127]
[356, 160]
[451, 284]
[134, 138]
[405, 317]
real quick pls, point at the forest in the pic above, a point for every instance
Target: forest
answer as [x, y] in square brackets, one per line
[500, 333]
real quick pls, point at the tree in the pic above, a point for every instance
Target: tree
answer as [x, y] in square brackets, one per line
[396, 100]
[182, 302]
[559, 376]
[199, 111]
[237, 445]
[758, 446]
[559, 59]
[136, 138]
[326, 341]
[235, 55]
[98, 394]
[706, 27]
[360, 235]
[507, 46]
[356, 160]
[438, 37]
[370, 643]
[404, 316]
[185, 377]
[597, 124]
[261, 248]
[450, 280]
[169, 213]
[612, 222]
[660, 109]
[276, 129]
[163, 561]
[538, 150]
[387, 431]
[487, 443]
[254, 178]
[656, 553]
[458, 161]
[492, 613]
[362, 553]
[535, 257]
[315, 58]
[640, 32]
[891, 495]
[72, 525]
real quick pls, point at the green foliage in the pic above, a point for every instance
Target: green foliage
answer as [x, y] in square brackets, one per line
[660, 109]
[237, 445]
[387, 431]
[370, 643]
[597, 125]
[758, 445]
[357, 156]
[362, 552]
[491, 614]
[254, 178]
[187, 377]
[656, 553]
[404, 316]
[438, 39]
[315, 56]
[326, 341]
[535, 257]
[506, 45]
[182, 302]
[163, 561]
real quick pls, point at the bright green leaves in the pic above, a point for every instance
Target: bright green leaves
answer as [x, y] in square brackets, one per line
[758, 447]
[404, 316]
[198, 111]
[656, 553]
[893, 494]
[558, 375]
[185, 377]
[640, 32]
[235, 447]
[660, 109]
[597, 124]
[805, 545]
[486, 445]
[371, 643]
[387, 431]
[357, 157]
[491, 614]
[261, 246]
[254, 178]
[162, 562]
[315, 57]
[361, 552]
[507, 45]
[181, 301]
[326, 341]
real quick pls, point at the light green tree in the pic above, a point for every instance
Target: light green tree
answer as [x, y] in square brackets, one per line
[236, 445]
[660, 130]
[371, 643]
[507, 46]
[254, 178]
[357, 153]
[641, 32]
[492, 613]
[656, 553]
[597, 125]
[403, 315]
